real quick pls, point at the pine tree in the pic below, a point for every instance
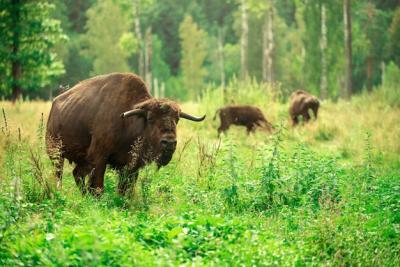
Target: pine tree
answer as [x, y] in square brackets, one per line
[27, 62]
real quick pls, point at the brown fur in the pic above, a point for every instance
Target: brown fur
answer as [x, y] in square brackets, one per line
[85, 124]
[300, 104]
[242, 115]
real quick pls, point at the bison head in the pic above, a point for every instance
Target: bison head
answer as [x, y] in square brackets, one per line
[160, 119]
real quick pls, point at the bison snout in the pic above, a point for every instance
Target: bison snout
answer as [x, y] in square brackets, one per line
[168, 144]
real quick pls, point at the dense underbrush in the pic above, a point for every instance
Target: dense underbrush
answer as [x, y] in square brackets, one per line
[322, 194]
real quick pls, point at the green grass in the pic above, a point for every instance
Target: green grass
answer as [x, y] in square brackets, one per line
[327, 193]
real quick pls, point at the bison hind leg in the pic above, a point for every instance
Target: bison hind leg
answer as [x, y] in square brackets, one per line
[56, 154]
[59, 166]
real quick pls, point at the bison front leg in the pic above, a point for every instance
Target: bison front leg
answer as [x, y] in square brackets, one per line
[126, 180]
[96, 176]
[222, 128]
[295, 120]
[250, 129]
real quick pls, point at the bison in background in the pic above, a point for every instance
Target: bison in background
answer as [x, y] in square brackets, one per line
[111, 119]
[301, 103]
[242, 115]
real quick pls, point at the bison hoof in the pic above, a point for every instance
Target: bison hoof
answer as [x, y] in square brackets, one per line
[96, 191]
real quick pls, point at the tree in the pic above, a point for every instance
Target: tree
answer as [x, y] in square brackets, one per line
[194, 52]
[268, 43]
[138, 32]
[106, 24]
[347, 48]
[394, 33]
[324, 44]
[244, 41]
[27, 61]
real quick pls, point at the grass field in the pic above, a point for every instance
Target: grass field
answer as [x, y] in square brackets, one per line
[327, 193]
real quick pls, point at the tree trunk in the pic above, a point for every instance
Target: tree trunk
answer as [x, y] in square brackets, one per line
[347, 48]
[244, 41]
[268, 44]
[139, 37]
[370, 66]
[162, 90]
[221, 56]
[156, 88]
[16, 69]
[324, 44]
[147, 57]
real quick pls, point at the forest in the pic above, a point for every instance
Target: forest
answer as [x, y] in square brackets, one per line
[158, 172]
[182, 47]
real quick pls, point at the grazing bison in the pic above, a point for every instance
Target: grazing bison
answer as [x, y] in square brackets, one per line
[300, 104]
[111, 119]
[243, 115]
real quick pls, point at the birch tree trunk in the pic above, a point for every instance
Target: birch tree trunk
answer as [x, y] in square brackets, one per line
[162, 90]
[138, 32]
[156, 91]
[244, 41]
[147, 57]
[268, 44]
[347, 48]
[221, 56]
[324, 44]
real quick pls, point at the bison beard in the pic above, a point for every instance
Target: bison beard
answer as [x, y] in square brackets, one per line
[111, 120]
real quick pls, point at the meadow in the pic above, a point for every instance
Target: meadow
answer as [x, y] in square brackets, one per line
[325, 193]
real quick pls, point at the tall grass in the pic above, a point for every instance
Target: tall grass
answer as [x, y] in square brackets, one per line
[326, 193]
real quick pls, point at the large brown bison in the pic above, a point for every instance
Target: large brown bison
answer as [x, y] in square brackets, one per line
[111, 119]
[242, 115]
[301, 103]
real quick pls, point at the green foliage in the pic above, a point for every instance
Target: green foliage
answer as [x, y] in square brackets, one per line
[160, 68]
[394, 32]
[107, 23]
[389, 92]
[29, 35]
[286, 198]
[128, 44]
[193, 55]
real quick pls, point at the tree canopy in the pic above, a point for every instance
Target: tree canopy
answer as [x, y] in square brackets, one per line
[186, 45]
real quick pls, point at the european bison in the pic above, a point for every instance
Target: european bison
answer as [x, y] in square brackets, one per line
[242, 115]
[111, 119]
[300, 104]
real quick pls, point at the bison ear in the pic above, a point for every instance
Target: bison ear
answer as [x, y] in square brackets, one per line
[133, 112]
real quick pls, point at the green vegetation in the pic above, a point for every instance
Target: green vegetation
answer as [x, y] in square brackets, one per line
[326, 193]
[28, 36]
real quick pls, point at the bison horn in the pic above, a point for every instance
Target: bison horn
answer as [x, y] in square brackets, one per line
[190, 117]
[133, 112]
